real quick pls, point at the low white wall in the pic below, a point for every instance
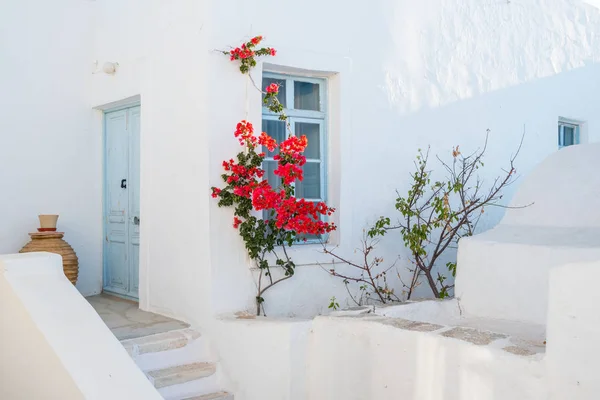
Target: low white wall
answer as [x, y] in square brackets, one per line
[263, 358]
[54, 345]
[573, 331]
[497, 278]
[356, 359]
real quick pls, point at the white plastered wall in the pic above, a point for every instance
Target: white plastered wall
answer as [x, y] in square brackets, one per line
[50, 155]
[504, 272]
[402, 76]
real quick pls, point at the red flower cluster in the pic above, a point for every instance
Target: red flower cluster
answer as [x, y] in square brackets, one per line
[244, 179]
[246, 50]
[289, 173]
[291, 213]
[242, 53]
[273, 88]
[291, 159]
[244, 131]
[267, 141]
[302, 217]
[294, 145]
[265, 198]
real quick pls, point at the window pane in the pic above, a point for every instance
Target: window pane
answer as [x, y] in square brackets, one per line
[274, 180]
[306, 96]
[569, 136]
[559, 136]
[281, 82]
[275, 129]
[310, 187]
[312, 132]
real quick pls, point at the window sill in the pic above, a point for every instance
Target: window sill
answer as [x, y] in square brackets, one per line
[306, 254]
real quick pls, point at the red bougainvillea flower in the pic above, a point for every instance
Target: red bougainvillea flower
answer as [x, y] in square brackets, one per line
[236, 222]
[243, 52]
[233, 178]
[294, 145]
[273, 88]
[264, 198]
[273, 51]
[256, 40]
[302, 216]
[289, 173]
[267, 141]
[244, 131]
[245, 181]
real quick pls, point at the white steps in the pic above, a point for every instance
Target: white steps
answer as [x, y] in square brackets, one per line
[167, 349]
[213, 396]
[180, 374]
[178, 365]
[160, 341]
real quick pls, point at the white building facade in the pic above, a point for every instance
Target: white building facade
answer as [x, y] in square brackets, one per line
[395, 77]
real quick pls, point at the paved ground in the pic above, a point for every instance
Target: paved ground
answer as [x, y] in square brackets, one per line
[127, 321]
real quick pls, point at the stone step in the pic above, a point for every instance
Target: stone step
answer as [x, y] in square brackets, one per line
[180, 374]
[159, 342]
[213, 396]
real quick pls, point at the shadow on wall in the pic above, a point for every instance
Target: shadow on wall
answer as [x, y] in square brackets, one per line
[438, 75]
[533, 108]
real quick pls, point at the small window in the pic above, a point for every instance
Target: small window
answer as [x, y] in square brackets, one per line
[568, 134]
[303, 99]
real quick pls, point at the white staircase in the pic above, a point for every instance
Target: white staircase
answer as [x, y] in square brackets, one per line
[178, 365]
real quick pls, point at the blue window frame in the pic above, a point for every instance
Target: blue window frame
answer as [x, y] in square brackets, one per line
[304, 101]
[568, 134]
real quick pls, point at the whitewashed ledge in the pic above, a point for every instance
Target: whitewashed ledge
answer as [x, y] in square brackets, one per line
[513, 337]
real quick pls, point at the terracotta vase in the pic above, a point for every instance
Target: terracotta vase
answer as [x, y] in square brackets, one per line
[47, 222]
[53, 242]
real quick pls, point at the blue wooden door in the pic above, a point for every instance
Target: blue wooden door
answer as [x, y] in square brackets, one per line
[122, 202]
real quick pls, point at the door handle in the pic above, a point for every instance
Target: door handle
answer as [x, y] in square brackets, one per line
[123, 183]
[136, 220]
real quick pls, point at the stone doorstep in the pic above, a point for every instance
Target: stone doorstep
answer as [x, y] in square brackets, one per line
[213, 396]
[180, 374]
[160, 342]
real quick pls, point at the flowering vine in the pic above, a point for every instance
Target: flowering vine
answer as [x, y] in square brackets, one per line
[288, 219]
[247, 53]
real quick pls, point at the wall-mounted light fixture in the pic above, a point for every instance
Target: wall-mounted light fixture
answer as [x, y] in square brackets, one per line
[108, 67]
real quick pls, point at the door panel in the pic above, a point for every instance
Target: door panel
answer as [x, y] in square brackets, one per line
[121, 251]
[116, 200]
[134, 199]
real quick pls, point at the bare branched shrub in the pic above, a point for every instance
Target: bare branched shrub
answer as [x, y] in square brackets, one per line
[370, 276]
[435, 214]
